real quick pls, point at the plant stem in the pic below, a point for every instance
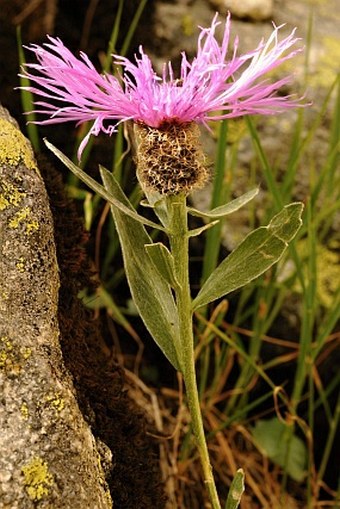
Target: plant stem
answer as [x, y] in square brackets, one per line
[179, 242]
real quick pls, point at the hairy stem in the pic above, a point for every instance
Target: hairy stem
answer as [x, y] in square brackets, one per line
[179, 242]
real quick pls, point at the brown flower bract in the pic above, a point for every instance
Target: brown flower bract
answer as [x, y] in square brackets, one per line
[170, 159]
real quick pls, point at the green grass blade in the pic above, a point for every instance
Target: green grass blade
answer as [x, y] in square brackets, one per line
[219, 194]
[330, 440]
[308, 318]
[111, 48]
[27, 99]
[132, 27]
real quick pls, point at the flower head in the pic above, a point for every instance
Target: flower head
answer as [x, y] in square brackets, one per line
[215, 85]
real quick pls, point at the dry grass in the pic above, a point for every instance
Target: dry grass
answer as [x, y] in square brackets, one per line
[230, 449]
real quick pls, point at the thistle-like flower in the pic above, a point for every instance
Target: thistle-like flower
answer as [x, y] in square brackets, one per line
[214, 86]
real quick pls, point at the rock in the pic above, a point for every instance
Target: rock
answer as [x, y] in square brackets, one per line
[257, 10]
[49, 456]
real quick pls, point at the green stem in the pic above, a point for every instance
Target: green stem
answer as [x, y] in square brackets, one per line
[179, 242]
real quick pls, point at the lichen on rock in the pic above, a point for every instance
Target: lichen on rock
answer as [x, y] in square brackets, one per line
[44, 436]
[14, 147]
[37, 479]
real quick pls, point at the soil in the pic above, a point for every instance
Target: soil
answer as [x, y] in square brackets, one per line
[133, 473]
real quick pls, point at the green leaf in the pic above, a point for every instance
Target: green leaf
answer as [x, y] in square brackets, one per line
[274, 440]
[226, 209]
[151, 294]
[100, 189]
[158, 203]
[163, 262]
[236, 490]
[258, 251]
[197, 231]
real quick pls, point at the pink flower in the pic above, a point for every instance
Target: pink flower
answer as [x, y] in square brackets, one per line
[213, 86]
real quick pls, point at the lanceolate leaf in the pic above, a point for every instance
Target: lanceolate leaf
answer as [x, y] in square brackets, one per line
[157, 202]
[201, 229]
[236, 490]
[163, 262]
[259, 251]
[98, 188]
[228, 208]
[151, 293]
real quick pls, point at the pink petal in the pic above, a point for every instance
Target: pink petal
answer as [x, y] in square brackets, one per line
[217, 84]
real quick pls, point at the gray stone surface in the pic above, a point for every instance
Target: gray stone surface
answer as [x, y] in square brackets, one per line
[49, 458]
[257, 10]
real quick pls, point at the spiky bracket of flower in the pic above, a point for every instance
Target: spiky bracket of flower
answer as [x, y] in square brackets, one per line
[169, 158]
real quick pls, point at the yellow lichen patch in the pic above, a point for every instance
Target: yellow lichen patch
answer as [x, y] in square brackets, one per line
[6, 343]
[4, 295]
[37, 478]
[6, 353]
[14, 148]
[59, 404]
[3, 359]
[24, 216]
[20, 264]
[11, 360]
[24, 411]
[26, 352]
[55, 401]
[9, 195]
